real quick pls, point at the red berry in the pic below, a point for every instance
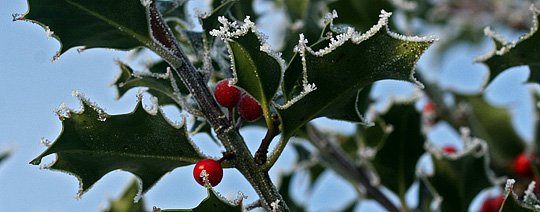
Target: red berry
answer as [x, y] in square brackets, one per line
[522, 165]
[227, 96]
[249, 109]
[492, 204]
[449, 150]
[213, 170]
[428, 107]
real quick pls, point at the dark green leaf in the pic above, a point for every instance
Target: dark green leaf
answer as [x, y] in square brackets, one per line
[349, 64]
[494, 125]
[360, 14]
[509, 54]
[126, 203]
[158, 81]
[214, 203]
[211, 22]
[93, 143]
[119, 24]
[396, 159]
[458, 178]
[510, 204]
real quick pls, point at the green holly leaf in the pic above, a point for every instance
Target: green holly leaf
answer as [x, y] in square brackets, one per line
[125, 203]
[510, 203]
[257, 69]
[211, 21]
[459, 177]
[335, 74]
[494, 125]
[360, 14]
[213, 203]
[507, 54]
[93, 143]
[164, 85]
[92, 24]
[396, 158]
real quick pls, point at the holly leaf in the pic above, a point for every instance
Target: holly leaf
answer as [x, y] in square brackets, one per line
[165, 85]
[510, 203]
[213, 203]
[396, 158]
[352, 61]
[92, 24]
[93, 143]
[459, 177]
[494, 125]
[507, 54]
[360, 14]
[125, 203]
[257, 69]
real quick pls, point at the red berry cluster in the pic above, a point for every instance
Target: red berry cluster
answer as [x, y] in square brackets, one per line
[230, 96]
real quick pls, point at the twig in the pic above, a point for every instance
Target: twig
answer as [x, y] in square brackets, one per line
[344, 162]
[260, 155]
[168, 48]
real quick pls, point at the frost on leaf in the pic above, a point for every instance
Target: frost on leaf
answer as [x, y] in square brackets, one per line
[81, 23]
[257, 69]
[511, 202]
[334, 74]
[214, 202]
[507, 54]
[160, 81]
[146, 145]
[450, 170]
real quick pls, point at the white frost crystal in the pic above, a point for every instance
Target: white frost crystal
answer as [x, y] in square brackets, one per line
[48, 32]
[505, 44]
[275, 206]
[530, 198]
[349, 33]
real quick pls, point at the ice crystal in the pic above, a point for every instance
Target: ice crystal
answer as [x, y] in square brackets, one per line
[231, 30]
[530, 198]
[45, 142]
[48, 32]
[102, 115]
[139, 194]
[275, 205]
[509, 186]
[62, 111]
[505, 44]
